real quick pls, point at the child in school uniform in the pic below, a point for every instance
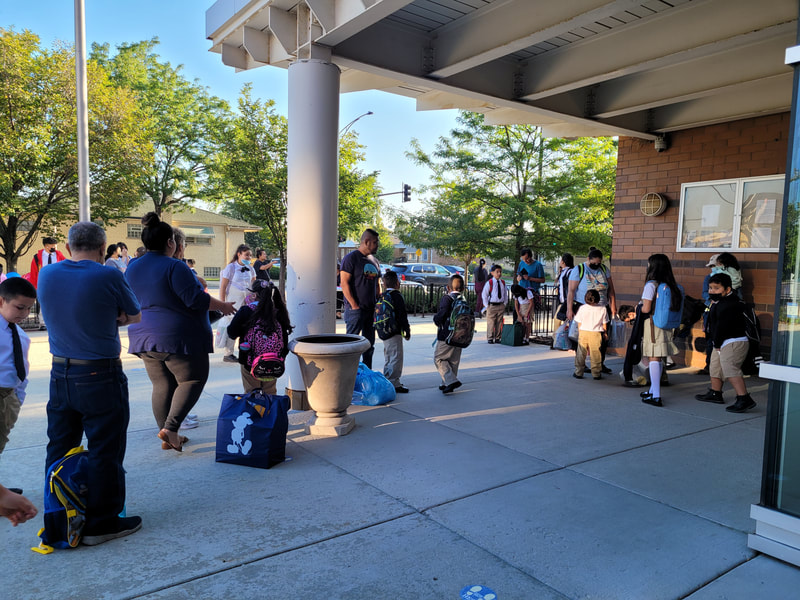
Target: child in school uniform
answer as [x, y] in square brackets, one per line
[393, 346]
[523, 306]
[495, 298]
[593, 320]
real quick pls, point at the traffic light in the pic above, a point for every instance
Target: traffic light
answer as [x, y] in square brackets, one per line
[406, 193]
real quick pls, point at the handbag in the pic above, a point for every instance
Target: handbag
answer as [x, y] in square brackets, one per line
[561, 313]
[574, 330]
[251, 429]
[560, 338]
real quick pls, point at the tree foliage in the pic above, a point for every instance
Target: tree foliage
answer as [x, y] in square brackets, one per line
[38, 143]
[358, 191]
[497, 189]
[182, 119]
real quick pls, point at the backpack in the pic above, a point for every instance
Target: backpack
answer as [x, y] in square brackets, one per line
[65, 492]
[385, 319]
[462, 323]
[258, 348]
[581, 268]
[663, 315]
[752, 329]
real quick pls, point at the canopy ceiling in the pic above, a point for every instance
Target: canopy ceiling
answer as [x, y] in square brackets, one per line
[575, 67]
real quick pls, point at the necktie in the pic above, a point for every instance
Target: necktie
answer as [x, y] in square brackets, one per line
[49, 258]
[19, 361]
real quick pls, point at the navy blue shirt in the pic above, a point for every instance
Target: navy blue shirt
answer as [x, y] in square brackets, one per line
[81, 301]
[174, 307]
[365, 271]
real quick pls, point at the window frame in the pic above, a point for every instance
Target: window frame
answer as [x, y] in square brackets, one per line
[737, 213]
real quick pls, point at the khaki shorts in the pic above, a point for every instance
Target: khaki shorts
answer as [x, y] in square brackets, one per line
[727, 361]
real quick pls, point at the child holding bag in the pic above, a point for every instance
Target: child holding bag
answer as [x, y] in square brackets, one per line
[263, 328]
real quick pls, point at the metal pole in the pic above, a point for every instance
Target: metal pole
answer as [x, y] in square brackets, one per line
[81, 94]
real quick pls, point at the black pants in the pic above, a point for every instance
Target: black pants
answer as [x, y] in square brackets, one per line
[178, 380]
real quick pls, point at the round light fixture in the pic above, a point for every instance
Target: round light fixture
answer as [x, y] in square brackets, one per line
[652, 204]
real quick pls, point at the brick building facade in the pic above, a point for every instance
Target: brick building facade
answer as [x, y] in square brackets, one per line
[746, 148]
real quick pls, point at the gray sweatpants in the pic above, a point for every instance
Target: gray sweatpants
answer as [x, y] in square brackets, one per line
[393, 359]
[447, 358]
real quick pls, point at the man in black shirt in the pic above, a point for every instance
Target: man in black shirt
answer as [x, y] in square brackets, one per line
[262, 265]
[360, 274]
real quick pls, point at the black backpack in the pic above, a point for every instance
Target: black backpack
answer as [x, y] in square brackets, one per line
[385, 318]
[462, 323]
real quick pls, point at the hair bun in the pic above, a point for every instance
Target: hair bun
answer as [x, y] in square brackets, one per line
[151, 220]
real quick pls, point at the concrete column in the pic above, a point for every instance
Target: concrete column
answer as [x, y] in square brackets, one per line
[312, 205]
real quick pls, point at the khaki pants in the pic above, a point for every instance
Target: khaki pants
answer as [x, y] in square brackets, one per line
[9, 411]
[589, 343]
[251, 384]
[446, 358]
[393, 359]
[494, 321]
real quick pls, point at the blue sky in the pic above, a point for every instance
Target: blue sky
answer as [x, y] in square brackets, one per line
[180, 28]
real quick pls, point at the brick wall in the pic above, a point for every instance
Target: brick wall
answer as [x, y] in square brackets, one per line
[747, 148]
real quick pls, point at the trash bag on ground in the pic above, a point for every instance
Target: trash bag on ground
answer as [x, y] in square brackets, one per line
[560, 338]
[372, 388]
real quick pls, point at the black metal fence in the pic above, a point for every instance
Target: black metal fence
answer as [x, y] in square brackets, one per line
[424, 300]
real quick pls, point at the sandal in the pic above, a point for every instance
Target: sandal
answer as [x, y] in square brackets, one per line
[163, 435]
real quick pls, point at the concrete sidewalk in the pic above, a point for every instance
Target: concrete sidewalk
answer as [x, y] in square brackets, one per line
[524, 480]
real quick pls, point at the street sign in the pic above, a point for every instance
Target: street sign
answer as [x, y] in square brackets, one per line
[419, 252]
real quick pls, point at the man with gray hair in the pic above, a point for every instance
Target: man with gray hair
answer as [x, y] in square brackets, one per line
[84, 304]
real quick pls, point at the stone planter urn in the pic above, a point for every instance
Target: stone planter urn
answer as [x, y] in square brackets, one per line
[328, 364]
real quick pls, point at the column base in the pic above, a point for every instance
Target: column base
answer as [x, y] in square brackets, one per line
[331, 427]
[298, 399]
[777, 534]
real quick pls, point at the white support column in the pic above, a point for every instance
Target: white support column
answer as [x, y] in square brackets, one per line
[312, 207]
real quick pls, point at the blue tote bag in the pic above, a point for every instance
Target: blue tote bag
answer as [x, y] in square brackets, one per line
[251, 430]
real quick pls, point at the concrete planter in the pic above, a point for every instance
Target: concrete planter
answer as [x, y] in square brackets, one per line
[328, 364]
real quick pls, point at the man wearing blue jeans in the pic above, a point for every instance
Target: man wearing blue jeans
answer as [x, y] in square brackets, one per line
[84, 302]
[360, 274]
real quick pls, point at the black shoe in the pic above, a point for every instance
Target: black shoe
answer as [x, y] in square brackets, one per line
[606, 370]
[631, 383]
[645, 395]
[15, 490]
[742, 404]
[230, 358]
[597, 377]
[401, 389]
[652, 401]
[120, 528]
[576, 376]
[712, 396]
[441, 387]
[490, 342]
[456, 384]
[448, 388]
[703, 371]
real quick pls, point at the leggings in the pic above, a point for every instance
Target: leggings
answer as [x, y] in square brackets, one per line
[178, 381]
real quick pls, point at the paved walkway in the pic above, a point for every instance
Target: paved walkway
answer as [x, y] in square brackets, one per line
[524, 480]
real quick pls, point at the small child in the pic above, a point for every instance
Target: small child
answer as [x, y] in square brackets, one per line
[393, 347]
[726, 326]
[523, 306]
[446, 357]
[16, 299]
[593, 320]
[495, 298]
[266, 316]
[727, 263]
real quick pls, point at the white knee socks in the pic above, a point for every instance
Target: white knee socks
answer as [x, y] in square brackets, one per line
[655, 378]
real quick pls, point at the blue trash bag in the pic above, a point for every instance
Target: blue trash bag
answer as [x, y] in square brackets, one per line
[560, 338]
[372, 388]
[616, 333]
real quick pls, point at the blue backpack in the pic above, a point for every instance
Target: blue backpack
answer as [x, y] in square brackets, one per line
[663, 315]
[65, 491]
[385, 320]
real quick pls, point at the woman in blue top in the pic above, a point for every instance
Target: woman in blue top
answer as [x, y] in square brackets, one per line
[174, 336]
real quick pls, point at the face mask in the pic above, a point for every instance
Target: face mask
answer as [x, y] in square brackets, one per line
[594, 265]
[245, 261]
[715, 297]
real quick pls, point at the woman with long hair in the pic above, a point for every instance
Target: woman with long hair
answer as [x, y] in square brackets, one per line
[174, 336]
[112, 257]
[234, 284]
[657, 343]
[265, 316]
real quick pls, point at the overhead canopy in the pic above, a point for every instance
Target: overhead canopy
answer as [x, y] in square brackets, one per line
[575, 67]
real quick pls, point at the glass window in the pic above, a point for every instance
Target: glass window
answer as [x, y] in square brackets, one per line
[428, 269]
[134, 231]
[736, 214]
[442, 271]
[211, 272]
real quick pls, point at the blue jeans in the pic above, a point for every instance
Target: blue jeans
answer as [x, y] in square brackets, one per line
[362, 322]
[92, 400]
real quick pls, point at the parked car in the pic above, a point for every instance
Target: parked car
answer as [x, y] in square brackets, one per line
[423, 273]
[455, 269]
[384, 268]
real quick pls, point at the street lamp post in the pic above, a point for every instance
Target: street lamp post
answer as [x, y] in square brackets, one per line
[83, 112]
[347, 127]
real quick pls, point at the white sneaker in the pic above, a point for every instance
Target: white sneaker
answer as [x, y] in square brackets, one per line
[189, 423]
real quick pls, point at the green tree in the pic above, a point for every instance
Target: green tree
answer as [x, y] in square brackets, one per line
[38, 143]
[250, 172]
[359, 205]
[497, 189]
[182, 119]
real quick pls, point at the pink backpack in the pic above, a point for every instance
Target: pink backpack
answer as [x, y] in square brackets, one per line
[263, 352]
